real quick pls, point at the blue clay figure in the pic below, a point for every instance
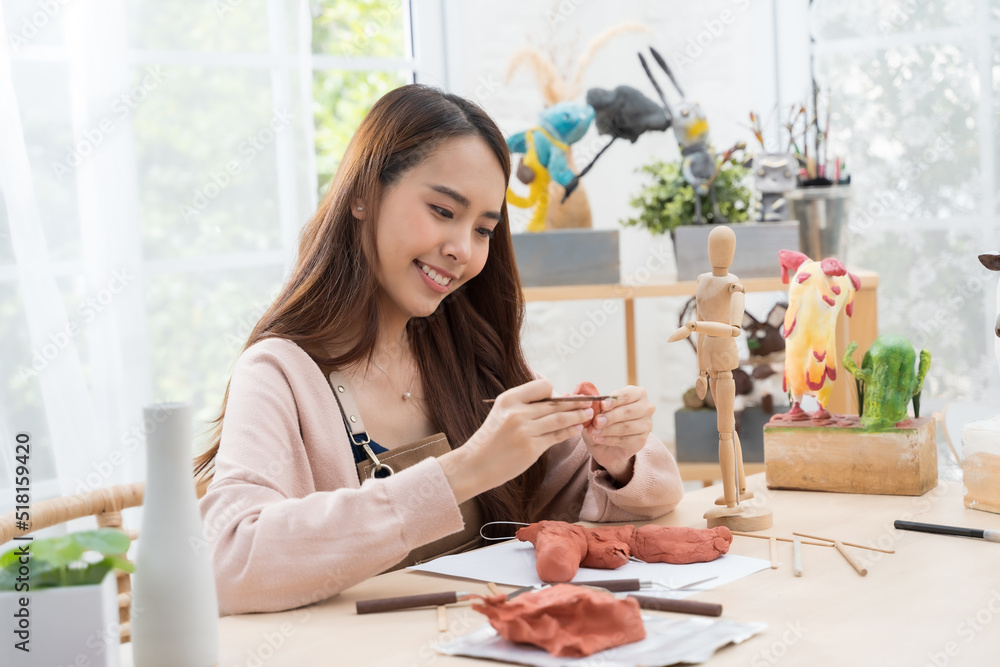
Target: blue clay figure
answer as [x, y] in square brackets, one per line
[544, 148]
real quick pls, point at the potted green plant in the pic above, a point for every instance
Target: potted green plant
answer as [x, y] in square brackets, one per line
[61, 594]
[667, 204]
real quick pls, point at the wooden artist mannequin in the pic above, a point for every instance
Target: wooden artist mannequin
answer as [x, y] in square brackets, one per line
[720, 298]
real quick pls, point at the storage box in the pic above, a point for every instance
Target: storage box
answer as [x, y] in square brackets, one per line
[696, 433]
[848, 459]
[981, 464]
[757, 246]
[568, 257]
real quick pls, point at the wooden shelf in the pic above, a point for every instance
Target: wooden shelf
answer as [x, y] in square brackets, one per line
[869, 281]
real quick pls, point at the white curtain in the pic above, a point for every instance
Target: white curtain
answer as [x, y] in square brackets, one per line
[156, 163]
[915, 97]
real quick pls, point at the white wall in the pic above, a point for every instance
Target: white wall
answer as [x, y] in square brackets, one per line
[729, 73]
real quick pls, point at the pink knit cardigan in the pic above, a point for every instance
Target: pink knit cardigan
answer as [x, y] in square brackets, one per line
[288, 523]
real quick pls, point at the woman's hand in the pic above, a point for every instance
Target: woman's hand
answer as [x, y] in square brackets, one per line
[620, 431]
[515, 434]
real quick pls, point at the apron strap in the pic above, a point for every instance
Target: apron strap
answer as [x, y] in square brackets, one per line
[349, 410]
[352, 421]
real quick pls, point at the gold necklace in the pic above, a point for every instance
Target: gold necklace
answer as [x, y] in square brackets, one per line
[406, 394]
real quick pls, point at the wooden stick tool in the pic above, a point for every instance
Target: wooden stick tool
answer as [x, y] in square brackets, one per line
[562, 399]
[848, 544]
[828, 543]
[863, 571]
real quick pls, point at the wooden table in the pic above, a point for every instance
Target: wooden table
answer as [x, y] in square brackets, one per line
[936, 601]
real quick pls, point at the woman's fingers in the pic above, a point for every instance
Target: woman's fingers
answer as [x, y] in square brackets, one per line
[563, 434]
[528, 392]
[631, 427]
[550, 424]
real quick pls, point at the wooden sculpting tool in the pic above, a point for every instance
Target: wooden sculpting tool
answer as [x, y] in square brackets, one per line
[797, 556]
[850, 559]
[410, 602]
[828, 543]
[612, 586]
[991, 535]
[561, 399]
[848, 544]
[681, 606]
[774, 552]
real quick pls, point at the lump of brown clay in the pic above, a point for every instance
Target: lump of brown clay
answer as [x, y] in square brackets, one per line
[567, 621]
[607, 546]
[663, 544]
[561, 548]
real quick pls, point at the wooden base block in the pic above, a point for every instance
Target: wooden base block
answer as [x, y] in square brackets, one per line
[844, 458]
[982, 482]
[748, 520]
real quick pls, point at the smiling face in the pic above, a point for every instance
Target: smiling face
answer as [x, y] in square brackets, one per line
[434, 226]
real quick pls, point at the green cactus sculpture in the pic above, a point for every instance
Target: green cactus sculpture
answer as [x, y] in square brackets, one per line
[887, 380]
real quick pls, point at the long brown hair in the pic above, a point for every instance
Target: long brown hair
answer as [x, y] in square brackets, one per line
[467, 350]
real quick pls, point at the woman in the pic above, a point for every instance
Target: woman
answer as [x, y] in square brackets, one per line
[401, 316]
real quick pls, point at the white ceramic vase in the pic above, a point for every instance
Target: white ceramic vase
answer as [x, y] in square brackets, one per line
[175, 612]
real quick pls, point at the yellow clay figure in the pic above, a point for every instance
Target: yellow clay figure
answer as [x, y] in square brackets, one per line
[538, 188]
[817, 292]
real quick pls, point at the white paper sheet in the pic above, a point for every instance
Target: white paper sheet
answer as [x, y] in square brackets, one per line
[513, 564]
[668, 641]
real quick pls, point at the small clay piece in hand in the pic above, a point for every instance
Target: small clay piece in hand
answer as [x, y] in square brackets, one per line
[567, 621]
[589, 389]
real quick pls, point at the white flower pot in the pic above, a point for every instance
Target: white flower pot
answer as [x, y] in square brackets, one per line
[71, 625]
